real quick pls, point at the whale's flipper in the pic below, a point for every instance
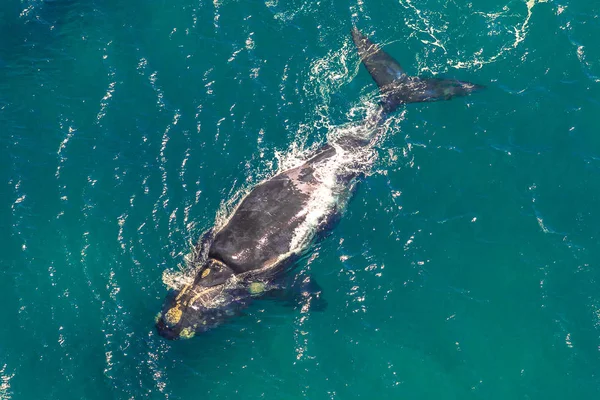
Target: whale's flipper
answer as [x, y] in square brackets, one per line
[396, 86]
[301, 291]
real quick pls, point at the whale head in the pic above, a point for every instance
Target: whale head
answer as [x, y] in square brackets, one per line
[213, 297]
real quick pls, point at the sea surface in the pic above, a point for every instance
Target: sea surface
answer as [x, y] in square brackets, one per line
[467, 265]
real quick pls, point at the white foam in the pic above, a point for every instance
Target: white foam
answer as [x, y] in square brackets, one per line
[5, 378]
[326, 76]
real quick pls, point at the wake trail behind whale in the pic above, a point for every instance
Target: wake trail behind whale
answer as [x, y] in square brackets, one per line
[326, 75]
[332, 191]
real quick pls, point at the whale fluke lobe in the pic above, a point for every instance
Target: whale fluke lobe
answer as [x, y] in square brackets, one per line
[398, 88]
[383, 68]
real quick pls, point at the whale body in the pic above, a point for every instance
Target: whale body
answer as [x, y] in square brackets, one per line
[276, 222]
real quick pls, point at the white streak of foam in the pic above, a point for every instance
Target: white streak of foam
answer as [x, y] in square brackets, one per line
[329, 73]
[5, 377]
[159, 93]
[163, 158]
[63, 144]
[26, 11]
[580, 48]
[596, 314]
[121, 222]
[106, 99]
[520, 35]
[217, 5]
[19, 200]
[429, 29]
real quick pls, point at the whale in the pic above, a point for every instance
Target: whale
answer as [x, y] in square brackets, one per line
[276, 223]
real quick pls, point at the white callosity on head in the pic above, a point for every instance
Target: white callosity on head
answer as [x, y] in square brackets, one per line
[256, 288]
[187, 333]
[173, 316]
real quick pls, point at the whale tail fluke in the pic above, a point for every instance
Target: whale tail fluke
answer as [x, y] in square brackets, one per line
[396, 87]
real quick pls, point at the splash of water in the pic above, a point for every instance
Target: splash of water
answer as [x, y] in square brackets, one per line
[326, 75]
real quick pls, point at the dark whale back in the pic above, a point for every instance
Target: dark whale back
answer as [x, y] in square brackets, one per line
[262, 228]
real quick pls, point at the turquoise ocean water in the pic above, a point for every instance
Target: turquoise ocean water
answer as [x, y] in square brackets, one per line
[466, 266]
